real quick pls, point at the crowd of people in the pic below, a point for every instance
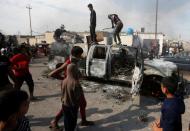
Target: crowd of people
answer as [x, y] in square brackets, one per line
[14, 103]
[172, 49]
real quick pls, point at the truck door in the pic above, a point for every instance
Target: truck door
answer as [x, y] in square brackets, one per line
[97, 61]
[137, 77]
[122, 63]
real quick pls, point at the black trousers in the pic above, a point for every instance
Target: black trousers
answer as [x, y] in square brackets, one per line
[70, 118]
[93, 33]
[29, 82]
[116, 32]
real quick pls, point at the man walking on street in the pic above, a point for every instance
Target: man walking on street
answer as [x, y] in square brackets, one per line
[92, 23]
[20, 66]
[117, 28]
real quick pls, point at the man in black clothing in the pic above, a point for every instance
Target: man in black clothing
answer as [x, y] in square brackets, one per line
[92, 23]
[5, 71]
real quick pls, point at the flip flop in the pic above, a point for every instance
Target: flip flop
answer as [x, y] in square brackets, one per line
[56, 127]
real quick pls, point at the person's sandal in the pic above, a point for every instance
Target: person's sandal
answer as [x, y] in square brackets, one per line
[54, 125]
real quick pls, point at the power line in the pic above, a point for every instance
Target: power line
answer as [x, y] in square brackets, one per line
[29, 8]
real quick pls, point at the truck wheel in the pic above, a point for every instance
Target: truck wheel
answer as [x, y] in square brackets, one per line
[151, 86]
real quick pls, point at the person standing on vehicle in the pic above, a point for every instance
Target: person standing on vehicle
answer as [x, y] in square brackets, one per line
[117, 25]
[92, 23]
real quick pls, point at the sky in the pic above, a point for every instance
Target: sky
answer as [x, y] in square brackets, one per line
[47, 15]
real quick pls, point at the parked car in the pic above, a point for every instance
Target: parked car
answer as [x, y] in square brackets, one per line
[182, 60]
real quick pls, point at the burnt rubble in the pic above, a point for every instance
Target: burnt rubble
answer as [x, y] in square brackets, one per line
[117, 92]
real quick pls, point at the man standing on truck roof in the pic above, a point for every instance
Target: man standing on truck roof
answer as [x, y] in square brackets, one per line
[117, 25]
[92, 23]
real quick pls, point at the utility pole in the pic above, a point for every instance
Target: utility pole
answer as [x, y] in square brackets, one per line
[29, 8]
[156, 46]
[156, 23]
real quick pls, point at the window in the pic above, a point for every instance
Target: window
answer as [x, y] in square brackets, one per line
[99, 53]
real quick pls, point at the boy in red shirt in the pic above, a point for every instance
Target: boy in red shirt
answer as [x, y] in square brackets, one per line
[20, 66]
[76, 53]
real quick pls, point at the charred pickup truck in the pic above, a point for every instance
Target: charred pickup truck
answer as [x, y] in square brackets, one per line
[124, 63]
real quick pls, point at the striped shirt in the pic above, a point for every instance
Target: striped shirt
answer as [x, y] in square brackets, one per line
[23, 124]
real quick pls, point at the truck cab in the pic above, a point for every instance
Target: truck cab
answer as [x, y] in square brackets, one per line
[115, 63]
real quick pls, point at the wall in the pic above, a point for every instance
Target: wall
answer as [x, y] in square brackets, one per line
[21, 40]
[127, 40]
[151, 36]
[24, 38]
[49, 37]
[32, 41]
[40, 38]
[186, 46]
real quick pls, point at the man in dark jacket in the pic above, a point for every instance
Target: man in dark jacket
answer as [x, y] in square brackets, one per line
[92, 23]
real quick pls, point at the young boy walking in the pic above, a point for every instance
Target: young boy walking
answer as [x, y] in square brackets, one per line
[172, 108]
[71, 94]
[76, 53]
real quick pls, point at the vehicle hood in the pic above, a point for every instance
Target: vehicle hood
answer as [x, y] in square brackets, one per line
[164, 68]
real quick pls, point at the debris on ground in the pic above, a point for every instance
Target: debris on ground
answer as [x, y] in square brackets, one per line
[116, 92]
[143, 116]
